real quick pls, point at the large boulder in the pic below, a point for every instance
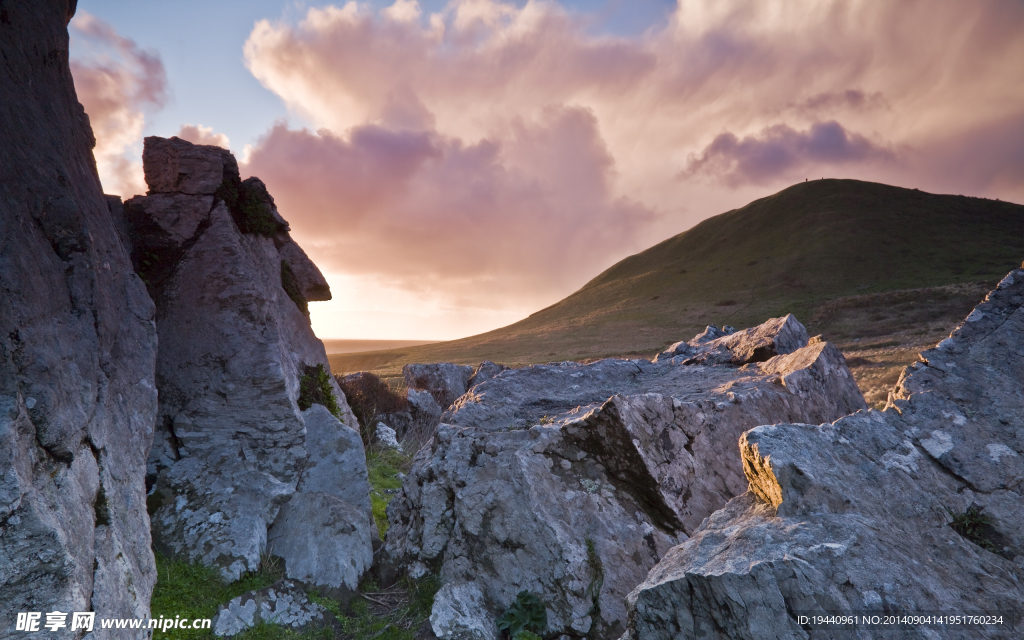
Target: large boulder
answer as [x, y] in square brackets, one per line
[572, 481]
[240, 456]
[916, 509]
[444, 381]
[77, 351]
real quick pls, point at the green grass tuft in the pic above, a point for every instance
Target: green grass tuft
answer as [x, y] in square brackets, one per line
[382, 468]
[315, 388]
[195, 591]
[974, 526]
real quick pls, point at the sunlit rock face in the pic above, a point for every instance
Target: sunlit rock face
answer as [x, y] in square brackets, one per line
[77, 351]
[572, 481]
[855, 516]
[237, 463]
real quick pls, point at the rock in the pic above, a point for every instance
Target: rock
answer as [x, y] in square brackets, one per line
[173, 165]
[855, 516]
[571, 481]
[337, 463]
[233, 446]
[424, 412]
[325, 542]
[485, 371]
[167, 220]
[283, 603]
[778, 336]
[77, 351]
[445, 381]
[387, 437]
[312, 284]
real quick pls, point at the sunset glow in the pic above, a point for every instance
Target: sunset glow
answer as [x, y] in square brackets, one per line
[454, 168]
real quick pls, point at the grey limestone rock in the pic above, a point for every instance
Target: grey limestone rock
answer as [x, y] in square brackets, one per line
[485, 371]
[855, 515]
[312, 283]
[173, 165]
[325, 542]
[425, 413]
[778, 336]
[283, 603]
[77, 351]
[445, 381]
[572, 481]
[232, 446]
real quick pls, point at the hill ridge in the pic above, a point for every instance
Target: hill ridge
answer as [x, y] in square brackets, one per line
[791, 251]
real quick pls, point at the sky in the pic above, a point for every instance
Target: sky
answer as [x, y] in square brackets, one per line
[454, 166]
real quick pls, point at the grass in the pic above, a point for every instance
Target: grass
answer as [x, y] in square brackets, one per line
[315, 388]
[793, 252]
[973, 525]
[195, 591]
[390, 614]
[382, 468]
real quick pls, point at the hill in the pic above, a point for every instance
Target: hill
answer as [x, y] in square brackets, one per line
[833, 252]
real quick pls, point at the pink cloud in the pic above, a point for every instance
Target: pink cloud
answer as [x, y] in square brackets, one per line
[529, 213]
[779, 151]
[198, 134]
[116, 82]
[503, 149]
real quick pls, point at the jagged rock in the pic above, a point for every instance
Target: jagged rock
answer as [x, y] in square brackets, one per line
[387, 436]
[778, 336]
[232, 445]
[312, 284]
[485, 371]
[855, 516]
[337, 462]
[173, 165]
[425, 413]
[283, 603]
[167, 220]
[77, 351]
[325, 532]
[445, 381]
[571, 481]
[325, 542]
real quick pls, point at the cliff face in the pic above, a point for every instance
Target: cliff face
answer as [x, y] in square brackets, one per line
[244, 462]
[77, 349]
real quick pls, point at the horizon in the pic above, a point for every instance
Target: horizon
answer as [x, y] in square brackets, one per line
[454, 167]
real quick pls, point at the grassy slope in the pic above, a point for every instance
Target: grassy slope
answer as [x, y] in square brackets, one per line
[794, 251]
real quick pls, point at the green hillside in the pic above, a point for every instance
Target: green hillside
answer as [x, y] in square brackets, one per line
[804, 250]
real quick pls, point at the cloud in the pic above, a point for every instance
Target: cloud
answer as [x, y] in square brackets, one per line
[342, 67]
[780, 150]
[116, 81]
[848, 99]
[530, 213]
[492, 153]
[198, 134]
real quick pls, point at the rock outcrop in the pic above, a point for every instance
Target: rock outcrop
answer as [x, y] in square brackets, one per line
[571, 481]
[243, 463]
[284, 603]
[77, 351]
[444, 381]
[917, 509]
